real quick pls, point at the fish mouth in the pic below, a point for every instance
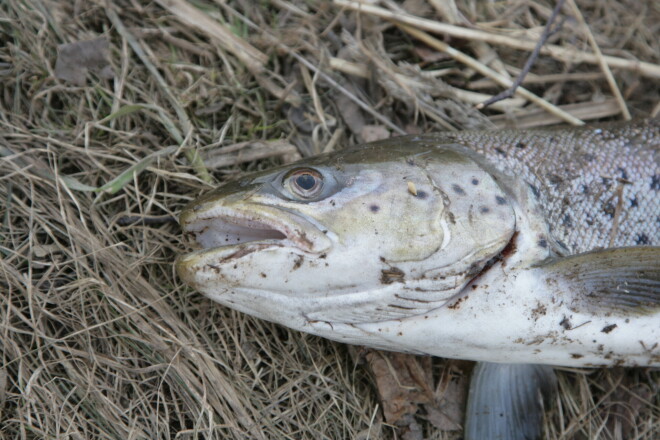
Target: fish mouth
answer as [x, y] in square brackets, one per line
[226, 234]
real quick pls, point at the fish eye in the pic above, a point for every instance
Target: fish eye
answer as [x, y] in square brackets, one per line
[304, 182]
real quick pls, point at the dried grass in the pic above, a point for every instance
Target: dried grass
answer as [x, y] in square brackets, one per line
[98, 337]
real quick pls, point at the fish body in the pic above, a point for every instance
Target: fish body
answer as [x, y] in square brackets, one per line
[516, 246]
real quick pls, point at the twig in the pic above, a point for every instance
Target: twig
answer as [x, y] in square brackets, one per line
[145, 220]
[547, 32]
[601, 61]
[560, 53]
[529, 118]
[487, 71]
[486, 83]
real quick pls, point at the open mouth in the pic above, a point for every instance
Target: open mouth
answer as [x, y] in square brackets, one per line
[227, 231]
[237, 232]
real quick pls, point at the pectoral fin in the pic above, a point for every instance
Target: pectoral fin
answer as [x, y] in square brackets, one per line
[618, 280]
[506, 401]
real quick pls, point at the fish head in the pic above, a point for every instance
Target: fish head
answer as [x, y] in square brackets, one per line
[384, 231]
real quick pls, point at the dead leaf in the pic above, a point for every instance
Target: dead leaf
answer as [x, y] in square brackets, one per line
[75, 60]
[404, 382]
[448, 409]
[371, 133]
[429, 55]
[350, 113]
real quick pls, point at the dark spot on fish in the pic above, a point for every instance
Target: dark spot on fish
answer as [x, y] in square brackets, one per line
[392, 275]
[642, 239]
[608, 328]
[542, 243]
[422, 195]
[539, 311]
[609, 209]
[298, 262]
[576, 356]
[585, 189]
[566, 323]
[567, 221]
[607, 182]
[521, 145]
[475, 181]
[555, 179]
[457, 303]
[458, 190]
[655, 182]
[588, 157]
[634, 203]
[500, 151]
[535, 190]
[500, 200]
[484, 209]
[263, 275]
[322, 256]
[624, 174]
[374, 208]
[332, 202]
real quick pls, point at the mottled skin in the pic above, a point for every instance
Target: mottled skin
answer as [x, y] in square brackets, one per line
[598, 187]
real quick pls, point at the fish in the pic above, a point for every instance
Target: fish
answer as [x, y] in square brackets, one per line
[518, 249]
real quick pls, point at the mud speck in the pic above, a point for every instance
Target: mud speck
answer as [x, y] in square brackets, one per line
[392, 275]
[608, 328]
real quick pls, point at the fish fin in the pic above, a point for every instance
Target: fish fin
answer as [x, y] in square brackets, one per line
[505, 401]
[624, 280]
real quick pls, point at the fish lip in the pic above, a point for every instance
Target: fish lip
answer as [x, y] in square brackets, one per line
[295, 230]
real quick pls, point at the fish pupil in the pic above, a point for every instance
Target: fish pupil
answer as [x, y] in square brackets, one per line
[306, 181]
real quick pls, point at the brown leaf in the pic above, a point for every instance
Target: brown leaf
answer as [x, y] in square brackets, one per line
[404, 382]
[75, 60]
[448, 408]
[371, 133]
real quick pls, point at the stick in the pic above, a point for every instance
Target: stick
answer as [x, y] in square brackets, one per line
[601, 61]
[549, 30]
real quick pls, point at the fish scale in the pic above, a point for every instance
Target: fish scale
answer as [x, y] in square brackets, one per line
[598, 187]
